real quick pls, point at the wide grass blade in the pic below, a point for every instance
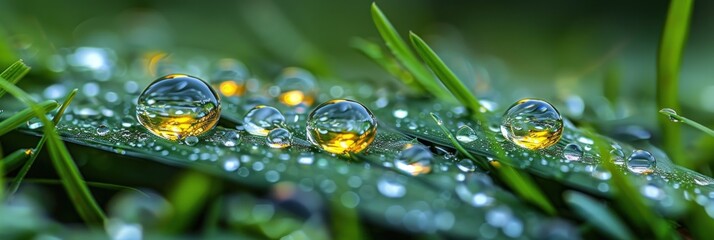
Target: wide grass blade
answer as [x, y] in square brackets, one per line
[23, 116]
[447, 77]
[523, 185]
[26, 168]
[669, 60]
[401, 51]
[628, 197]
[598, 215]
[67, 170]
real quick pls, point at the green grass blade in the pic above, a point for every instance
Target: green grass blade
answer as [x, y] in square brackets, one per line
[401, 51]
[26, 168]
[523, 185]
[14, 73]
[673, 116]
[23, 116]
[12, 161]
[91, 184]
[375, 52]
[628, 197]
[67, 170]
[669, 60]
[598, 215]
[447, 77]
[188, 195]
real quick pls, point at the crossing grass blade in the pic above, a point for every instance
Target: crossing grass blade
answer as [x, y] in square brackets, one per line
[26, 168]
[669, 61]
[447, 77]
[401, 51]
[72, 180]
[25, 115]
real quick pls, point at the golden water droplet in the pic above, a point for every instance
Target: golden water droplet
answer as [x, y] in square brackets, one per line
[532, 124]
[177, 106]
[297, 86]
[341, 126]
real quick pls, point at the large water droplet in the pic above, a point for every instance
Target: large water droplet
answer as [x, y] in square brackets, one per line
[641, 162]
[177, 106]
[341, 126]
[261, 119]
[414, 160]
[297, 86]
[279, 138]
[532, 124]
[572, 152]
[466, 134]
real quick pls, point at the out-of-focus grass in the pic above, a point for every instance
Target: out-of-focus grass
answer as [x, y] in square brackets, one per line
[36, 151]
[669, 61]
[72, 180]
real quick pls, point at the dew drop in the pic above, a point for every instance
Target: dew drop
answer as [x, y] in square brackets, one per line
[230, 78]
[400, 113]
[341, 126]
[670, 114]
[296, 86]
[34, 123]
[279, 138]
[261, 119]
[102, 130]
[641, 162]
[177, 106]
[617, 156]
[231, 164]
[532, 124]
[191, 140]
[466, 134]
[466, 165]
[390, 188]
[572, 152]
[414, 160]
[230, 139]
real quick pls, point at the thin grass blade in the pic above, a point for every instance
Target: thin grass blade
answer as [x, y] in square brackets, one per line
[73, 181]
[13, 161]
[25, 115]
[401, 51]
[673, 116]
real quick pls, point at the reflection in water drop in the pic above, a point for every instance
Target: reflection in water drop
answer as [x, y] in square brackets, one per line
[641, 162]
[341, 126]
[466, 165]
[532, 124]
[572, 152]
[414, 160]
[102, 130]
[466, 134]
[191, 140]
[261, 119]
[279, 138]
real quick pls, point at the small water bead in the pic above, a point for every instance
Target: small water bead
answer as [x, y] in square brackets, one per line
[261, 119]
[400, 113]
[466, 165]
[34, 123]
[414, 160]
[297, 86]
[390, 187]
[177, 106]
[641, 162]
[670, 114]
[466, 134]
[341, 126]
[572, 152]
[102, 130]
[279, 138]
[617, 156]
[532, 124]
[230, 139]
[191, 140]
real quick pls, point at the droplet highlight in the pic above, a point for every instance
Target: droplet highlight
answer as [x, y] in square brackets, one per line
[341, 126]
[532, 124]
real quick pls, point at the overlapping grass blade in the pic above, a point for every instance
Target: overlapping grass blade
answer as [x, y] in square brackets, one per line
[669, 60]
[447, 77]
[401, 51]
[25, 115]
[67, 170]
[25, 168]
[629, 198]
[598, 215]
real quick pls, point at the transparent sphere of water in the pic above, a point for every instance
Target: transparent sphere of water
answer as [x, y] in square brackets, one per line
[230, 77]
[641, 162]
[414, 160]
[261, 119]
[572, 152]
[176, 106]
[297, 86]
[279, 138]
[341, 126]
[532, 124]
